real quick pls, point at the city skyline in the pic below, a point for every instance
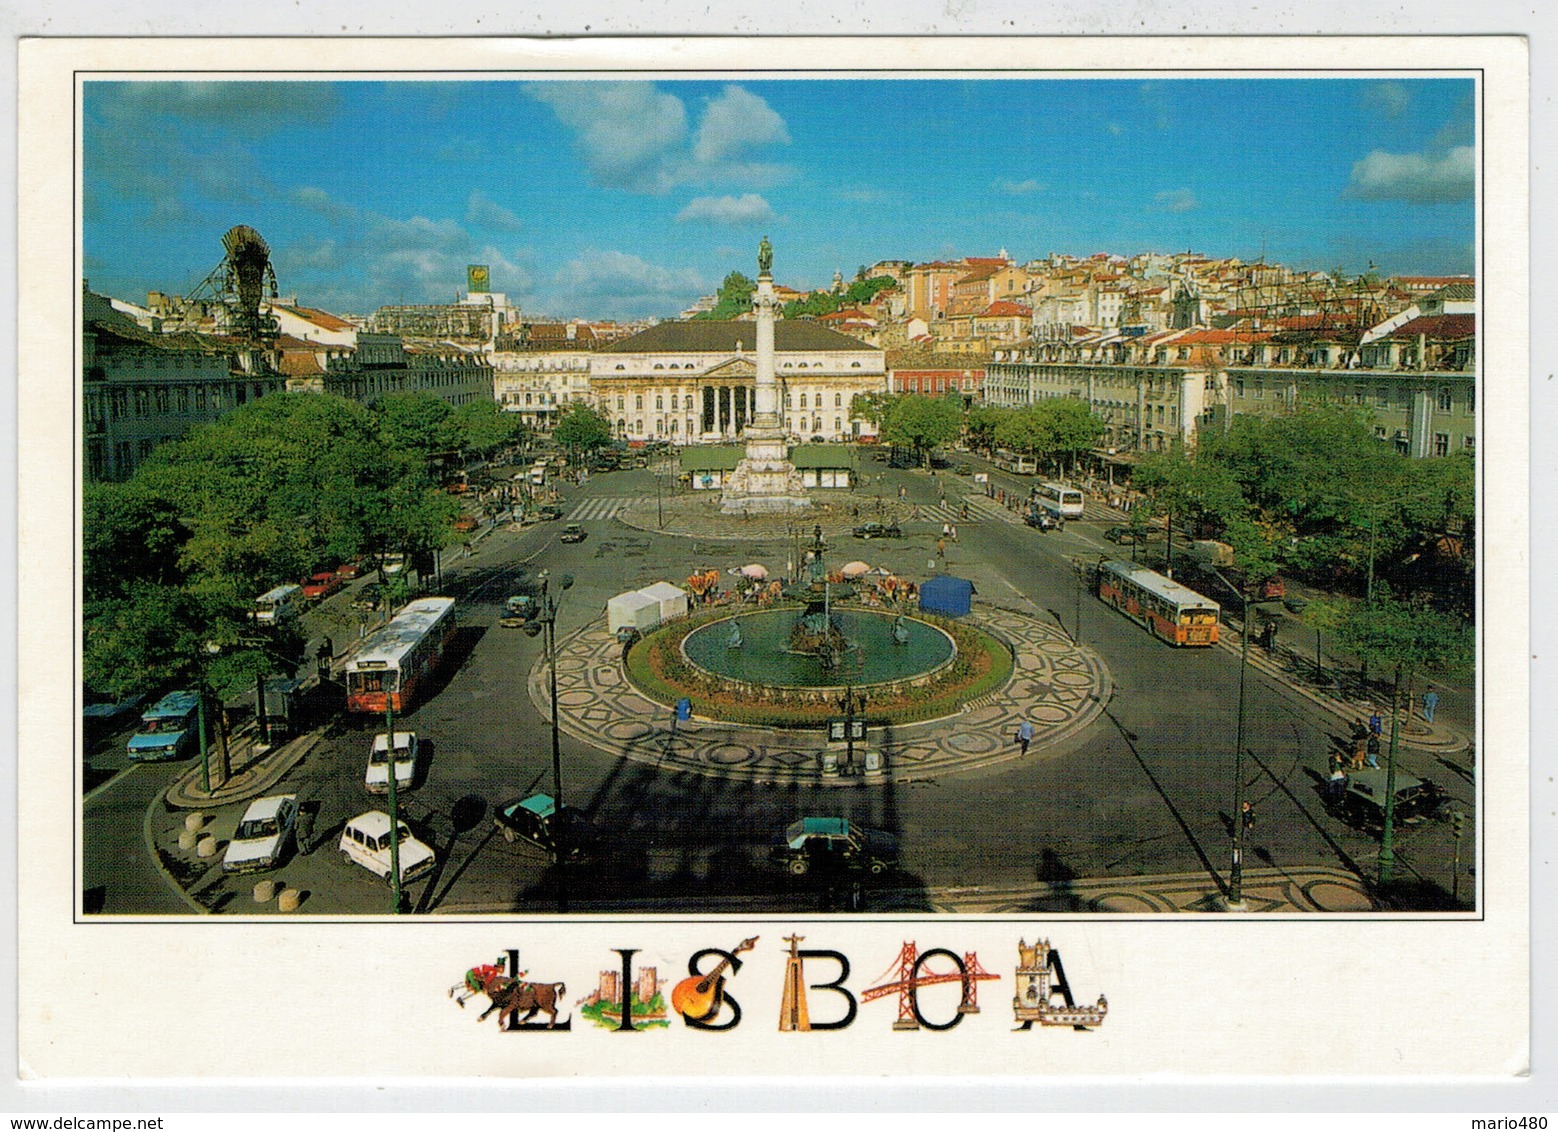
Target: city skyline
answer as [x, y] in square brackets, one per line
[632, 199]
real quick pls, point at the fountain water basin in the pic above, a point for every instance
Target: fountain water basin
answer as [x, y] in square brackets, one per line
[866, 650]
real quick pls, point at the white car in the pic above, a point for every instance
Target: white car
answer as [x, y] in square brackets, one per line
[262, 835]
[366, 841]
[377, 778]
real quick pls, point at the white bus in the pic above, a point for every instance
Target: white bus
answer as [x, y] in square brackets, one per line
[1058, 500]
[1009, 461]
[395, 660]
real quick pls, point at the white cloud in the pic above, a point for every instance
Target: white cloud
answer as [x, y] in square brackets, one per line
[735, 212]
[1390, 99]
[317, 201]
[484, 212]
[1420, 178]
[629, 134]
[618, 285]
[735, 122]
[1176, 200]
[1018, 188]
[635, 137]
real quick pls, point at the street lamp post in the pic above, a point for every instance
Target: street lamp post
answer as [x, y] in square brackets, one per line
[547, 620]
[1236, 872]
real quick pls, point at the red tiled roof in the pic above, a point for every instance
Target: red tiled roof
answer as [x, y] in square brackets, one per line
[297, 363]
[320, 318]
[1439, 326]
[1005, 308]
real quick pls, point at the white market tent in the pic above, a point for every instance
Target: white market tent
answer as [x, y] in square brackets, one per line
[632, 610]
[672, 599]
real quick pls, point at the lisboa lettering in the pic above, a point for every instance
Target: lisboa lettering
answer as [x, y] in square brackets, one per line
[817, 990]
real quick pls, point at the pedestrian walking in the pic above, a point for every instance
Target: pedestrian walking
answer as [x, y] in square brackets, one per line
[946, 530]
[1360, 751]
[1372, 746]
[903, 491]
[1430, 704]
[954, 534]
[1376, 724]
[963, 513]
[1024, 735]
[941, 549]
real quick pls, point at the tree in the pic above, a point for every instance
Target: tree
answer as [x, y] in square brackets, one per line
[922, 423]
[1025, 430]
[733, 299]
[582, 428]
[416, 421]
[1072, 424]
[276, 489]
[982, 424]
[873, 407]
[480, 428]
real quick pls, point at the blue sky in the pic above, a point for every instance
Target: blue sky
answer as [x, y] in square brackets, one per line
[629, 199]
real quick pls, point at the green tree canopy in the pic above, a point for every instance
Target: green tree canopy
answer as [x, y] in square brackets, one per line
[480, 428]
[582, 428]
[733, 299]
[922, 423]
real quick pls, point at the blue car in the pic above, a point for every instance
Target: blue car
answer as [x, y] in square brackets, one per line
[168, 729]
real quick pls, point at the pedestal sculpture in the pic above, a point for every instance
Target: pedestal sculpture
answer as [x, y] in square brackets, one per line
[765, 482]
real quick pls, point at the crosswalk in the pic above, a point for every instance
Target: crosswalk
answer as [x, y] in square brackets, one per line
[602, 507]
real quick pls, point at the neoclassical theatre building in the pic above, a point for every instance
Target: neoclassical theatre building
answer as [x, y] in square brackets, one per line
[692, 382]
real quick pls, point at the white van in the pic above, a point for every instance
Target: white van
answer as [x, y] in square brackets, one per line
[278, 606]
[365, 840]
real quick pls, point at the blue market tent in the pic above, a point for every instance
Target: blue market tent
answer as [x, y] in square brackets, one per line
[947, 595]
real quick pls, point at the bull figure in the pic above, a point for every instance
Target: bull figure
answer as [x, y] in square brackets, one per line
[509, 996]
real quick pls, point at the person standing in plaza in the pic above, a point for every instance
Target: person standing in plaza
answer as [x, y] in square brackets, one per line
[1376, 724]
[1430, 704]
[1024, 735]
[946, 530]
[941, 549]
[954, 534]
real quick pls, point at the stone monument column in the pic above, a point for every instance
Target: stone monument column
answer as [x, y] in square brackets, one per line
[765, 482]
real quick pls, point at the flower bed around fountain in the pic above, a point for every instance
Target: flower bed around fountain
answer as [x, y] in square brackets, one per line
[659, 668]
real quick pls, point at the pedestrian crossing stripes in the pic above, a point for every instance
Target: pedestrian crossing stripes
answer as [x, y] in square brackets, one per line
[602, 507]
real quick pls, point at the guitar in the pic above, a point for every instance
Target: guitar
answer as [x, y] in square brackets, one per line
[699, 997]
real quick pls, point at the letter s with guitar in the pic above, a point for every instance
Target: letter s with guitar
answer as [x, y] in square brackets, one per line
[701, 997]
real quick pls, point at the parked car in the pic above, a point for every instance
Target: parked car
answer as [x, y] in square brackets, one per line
[261, 838]
[878, 530]
[1043, 520]
[349, 570]
[369, 598]
[573, 532]
[549, 512]
[1272, 589]
[1362, 801]
[835, 843]
[365, 841]
[962, 469]
[321, 585]
[169, 729]
[406, 751]
[538, 820]
[517, 610]
[465, 524]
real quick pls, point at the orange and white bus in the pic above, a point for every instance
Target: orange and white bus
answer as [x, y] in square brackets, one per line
[1166, 609]
[396, 660]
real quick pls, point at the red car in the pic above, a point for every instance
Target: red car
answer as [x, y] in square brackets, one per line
[321, 585]
[349, 570]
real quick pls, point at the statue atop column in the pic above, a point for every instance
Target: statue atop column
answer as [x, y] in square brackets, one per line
[765, 257]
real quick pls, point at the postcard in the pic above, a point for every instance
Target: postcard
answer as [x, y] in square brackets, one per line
[835, 557]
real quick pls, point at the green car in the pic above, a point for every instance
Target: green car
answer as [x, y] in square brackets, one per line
[835, 843]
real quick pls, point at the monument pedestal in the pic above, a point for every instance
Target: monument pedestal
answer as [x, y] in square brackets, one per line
[764, 482]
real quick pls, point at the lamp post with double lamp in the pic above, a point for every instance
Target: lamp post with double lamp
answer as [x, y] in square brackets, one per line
[546, 619]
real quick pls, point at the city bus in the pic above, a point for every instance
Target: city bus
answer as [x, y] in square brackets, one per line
[1015, 462]
[396, 660]
[1161, 605]
[1058, 500]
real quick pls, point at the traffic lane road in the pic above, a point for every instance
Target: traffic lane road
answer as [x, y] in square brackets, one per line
[119, 875]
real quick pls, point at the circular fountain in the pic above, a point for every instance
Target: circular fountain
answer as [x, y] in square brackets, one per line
[798, 649]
